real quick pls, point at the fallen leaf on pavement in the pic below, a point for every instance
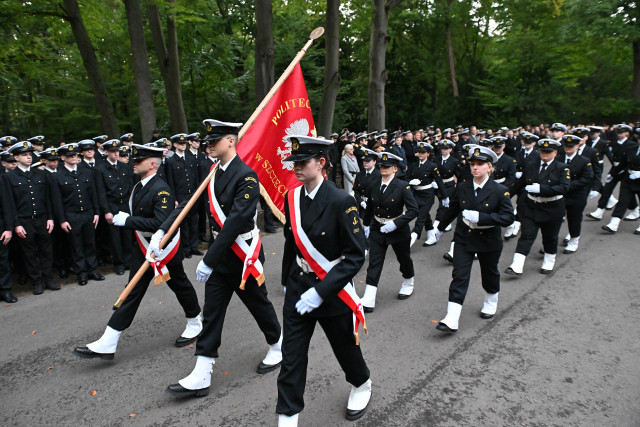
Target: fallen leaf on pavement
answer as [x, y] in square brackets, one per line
[50, 368]
[33, 333]
[93, 392]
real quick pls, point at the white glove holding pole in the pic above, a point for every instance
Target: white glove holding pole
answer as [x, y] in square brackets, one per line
[414, 181]
[388, 227]
[120, 218]
[445, 202]
[309, 301]
[533, 188]
[154, 245]
[472, 216]
[203, 271]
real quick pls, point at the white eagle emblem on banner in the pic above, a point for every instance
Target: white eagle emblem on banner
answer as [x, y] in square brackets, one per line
[299, 127]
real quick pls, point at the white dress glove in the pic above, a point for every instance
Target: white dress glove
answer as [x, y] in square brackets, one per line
[154, 245]
[363, 204]
[388, 227]
[533, 188]
[472, 216]
[518, 175]
[593, 194]
[120, 218]
[414, 181]
[634, 175]
[445, 202]
[309, 301]
[203, 271]
[366, 231]
[608, 179]
[434, 185]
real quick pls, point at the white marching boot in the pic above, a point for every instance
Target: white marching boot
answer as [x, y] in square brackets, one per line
[108, 342]
[490, 306]
[359, 398]
[431, 238]
[406, 289]
[612, 227]
[572, 246]
[414, 237]
[517, 265]
[548, 263]
[633, 215]
[191, 331]
[450, 321]
[197, 383]
[273, 358]
[369, 298]
[597, 214]
[288, 420]
[612, 202]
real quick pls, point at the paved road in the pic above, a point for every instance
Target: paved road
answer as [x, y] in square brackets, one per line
[563, 350]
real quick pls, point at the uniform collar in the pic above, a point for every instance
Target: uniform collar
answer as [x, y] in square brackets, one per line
[75, 168]
[112, 163]
[144, 182]
[479, 186]
[314, 192]
[226, 165]
[24, 170]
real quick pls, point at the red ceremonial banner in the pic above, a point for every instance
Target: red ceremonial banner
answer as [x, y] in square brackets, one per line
[263, 147]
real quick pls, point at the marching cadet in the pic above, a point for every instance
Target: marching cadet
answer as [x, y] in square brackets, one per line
[387, 224]
[365, 178]
[149, 204]
[594, 158]
[317, 274]
[545, 182]
[75, 207]
[182, 176]
[423, 175]
[6, 220]
[233, 262]
[30, 198]
[618, 151]
[482, 207]
[581, 170]
[115, 181]
[447, 166]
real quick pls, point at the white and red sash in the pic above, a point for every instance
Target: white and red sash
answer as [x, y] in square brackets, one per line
[321, 265]
[159, 265]
[249, 254]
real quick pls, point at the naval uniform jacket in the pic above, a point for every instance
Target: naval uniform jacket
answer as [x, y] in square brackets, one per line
[427, 173]
[596, 164]
[521, 160]
[332, 224]
[150, 207]
[115, 183]
[30, 194]
[71, 193]
[494, 206]
[554, 181]
[391, 205]
[362, 185]
[619, 157]
[504, 170]
[633, 164]
[182, 175]
[581, 170]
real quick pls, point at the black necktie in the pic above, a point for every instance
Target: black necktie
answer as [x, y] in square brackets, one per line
[543, 168]
[383, 187]
[74, 173]
[569, 160]
[478, 191]
[91, 165]
[219, 172]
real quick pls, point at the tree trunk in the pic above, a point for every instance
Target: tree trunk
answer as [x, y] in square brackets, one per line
[452, 65]
[169, 64]
[141, 71]
[332, 78]
[635, 82]
[377, 59]
[90, 61]
[264, 48]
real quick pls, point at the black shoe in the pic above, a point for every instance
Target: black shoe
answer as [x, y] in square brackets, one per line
[606, 228]
[444, 328]
[197, 253]
[179, 391]
[8, 297]
[568, 252]
[511, 272]
[119, 270]
[509, 237]
[82, 279]
[264, 368]
[52, 286]
[182, 341]
[402, 296]
[95, 276]
[368, 309]
[85, 353]
[186, 255]
[486, 316]
[544, 271]
[38, 289]
[352, 415]
[448, 257]
[64, 273]
[636, 232]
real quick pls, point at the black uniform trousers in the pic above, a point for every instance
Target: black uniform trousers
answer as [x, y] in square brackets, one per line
[425, 200]
[36, 249]
[628, 200]
[462, 264]
[189, 232]
[449, 188]
[102, 236]
[61, 248]
[179, 284]
[575, 209]
[82, 242]
[298, 330]
[530, 227]
[378, 249]
[607, 191]
[121, 244]
[5, 271]
[217, 293]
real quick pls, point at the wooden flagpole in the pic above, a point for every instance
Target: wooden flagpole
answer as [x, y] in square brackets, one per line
[315, 34]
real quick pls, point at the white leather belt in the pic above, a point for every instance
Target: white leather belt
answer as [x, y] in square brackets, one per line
[501, 180]
[475, 226]
[306, 268]
[423, 187]
[448, 179]
[384, 220]
[244, 236]
[544, 199]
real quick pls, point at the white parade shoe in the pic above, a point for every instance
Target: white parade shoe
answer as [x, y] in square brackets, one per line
[572, 245]
[414, 237]
[431, 238]
[449, 255]
[490, 306]
[197, 383]
[369, 298]
[450, 321]
[273, 358]
[517, 265]
[288, 420]
[612, 202]
[406, 289]
[107, 343]
[191, 331]
[633, 215]
[612, 227]
[597, 214]
[359, 398]
[548, 263]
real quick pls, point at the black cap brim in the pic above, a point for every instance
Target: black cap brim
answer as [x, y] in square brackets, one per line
[300, 157]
